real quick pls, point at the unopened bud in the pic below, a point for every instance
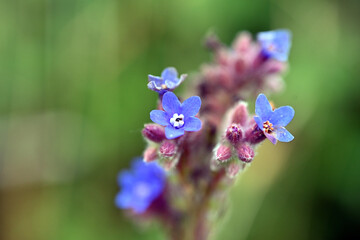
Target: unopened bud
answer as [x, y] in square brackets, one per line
[168, 149]
[245, 153]
[234, 133]
[223, 153]
[240, 115]
[242, 42]
[154, 132]
[234, 168]
[150, 154]
[255, 135]
[212, 42]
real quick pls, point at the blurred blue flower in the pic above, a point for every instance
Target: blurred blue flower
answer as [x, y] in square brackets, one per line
[140, 185]
[177, 117]
[275, 44]
[273, 122]
[168, 81]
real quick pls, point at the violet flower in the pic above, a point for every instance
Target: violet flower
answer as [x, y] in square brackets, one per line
[167, 81]
[273, 123]
[275, 44]
[177, 117]
[140, 185]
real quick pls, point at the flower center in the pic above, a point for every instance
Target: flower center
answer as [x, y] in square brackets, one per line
[142, 190]
[164, 86]
[271, 47]
[268, 127]
[177, 120]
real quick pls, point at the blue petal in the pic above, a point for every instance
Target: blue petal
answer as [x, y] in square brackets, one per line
[259, 122]
[172, 133]
[283, 135]
[152, 86]
[271, 137]
[171, 103]
[159, 117]
[125, 178]
[263, 108]
[123, 199]
[169, 73]
[171, 84]
[282, 116]
[192, 124]
[155, 79]
[191, 106]
[141, 206]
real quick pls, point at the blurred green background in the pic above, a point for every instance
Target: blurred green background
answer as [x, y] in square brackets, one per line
[73, 100]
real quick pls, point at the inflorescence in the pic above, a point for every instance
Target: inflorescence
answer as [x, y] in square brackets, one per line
[207, 140]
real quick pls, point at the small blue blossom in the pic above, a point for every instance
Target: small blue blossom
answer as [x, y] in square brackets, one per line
[140, 185]
[177, 117]
[273, 122]
[275, 44]
[168, 81]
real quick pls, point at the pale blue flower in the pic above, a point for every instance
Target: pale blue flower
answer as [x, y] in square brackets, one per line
[167, 81]
[273, 122]
[275, 44]
[140, 186]
[177, 117]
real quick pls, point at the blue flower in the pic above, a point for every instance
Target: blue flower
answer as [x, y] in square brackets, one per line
[273, 123]
[177, 117]
[275, 44]
[168, 81]
[140, 186]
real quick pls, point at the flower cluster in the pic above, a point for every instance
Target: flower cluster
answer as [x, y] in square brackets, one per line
[207, 140]
[244, 70]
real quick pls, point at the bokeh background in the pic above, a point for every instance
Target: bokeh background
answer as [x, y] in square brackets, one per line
[73, 100]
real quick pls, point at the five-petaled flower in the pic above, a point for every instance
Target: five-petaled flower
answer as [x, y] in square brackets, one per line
[177, 117]
[273, 122]
[275, 44]
[167, 81]
[140, 186]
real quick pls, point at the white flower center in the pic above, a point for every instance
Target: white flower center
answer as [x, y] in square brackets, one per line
[177, 120]
[142, 190]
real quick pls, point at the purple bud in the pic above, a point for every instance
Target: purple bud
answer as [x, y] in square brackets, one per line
[240, 115]
[234, 168]
[150, 154]
[234, 133]
[255, 135]
[168, 149]
[154, 132]
[223, 153]
[212, 42]
[245, 153]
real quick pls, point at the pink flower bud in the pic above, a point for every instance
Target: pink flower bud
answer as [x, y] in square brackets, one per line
[223, 153]
[245, 153]
[150, 154]
[154, 132]
[240, 115]
[254, 135]
[234, 134]
[168, 149]
[234, 168]
[242, 42]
